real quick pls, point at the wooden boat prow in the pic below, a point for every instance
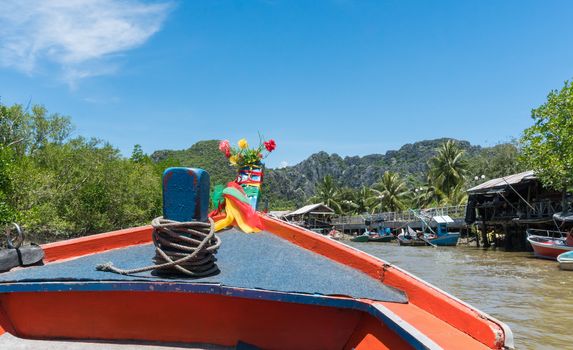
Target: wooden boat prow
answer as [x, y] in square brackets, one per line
[432, 317]
[283, 288]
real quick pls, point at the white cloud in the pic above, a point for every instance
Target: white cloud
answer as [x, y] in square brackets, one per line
[80, 37]
[283, 164]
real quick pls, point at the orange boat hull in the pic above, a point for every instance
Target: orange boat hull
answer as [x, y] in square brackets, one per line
[166, 312]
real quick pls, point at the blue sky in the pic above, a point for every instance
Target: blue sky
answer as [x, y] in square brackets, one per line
[351, 77]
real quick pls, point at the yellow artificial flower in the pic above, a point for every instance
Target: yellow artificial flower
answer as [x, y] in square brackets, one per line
[243, 144]
[233, 160]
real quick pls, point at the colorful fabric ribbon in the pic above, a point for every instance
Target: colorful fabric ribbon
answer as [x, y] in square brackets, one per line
[237, 209]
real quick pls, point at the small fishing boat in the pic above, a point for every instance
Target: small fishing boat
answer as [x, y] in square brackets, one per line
[411, 238]
[360, 238]
[279, 287]
[446, 239]
[548, 244]
[381, 238]
[566, 260]
[442, 236]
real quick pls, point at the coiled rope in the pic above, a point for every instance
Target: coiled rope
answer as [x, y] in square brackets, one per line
[180, 248]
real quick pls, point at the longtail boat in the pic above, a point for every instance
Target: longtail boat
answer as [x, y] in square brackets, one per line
[281, 287]
[382, 238]
[440, 236]
[548, 244]
[411, 238]
[360, 238]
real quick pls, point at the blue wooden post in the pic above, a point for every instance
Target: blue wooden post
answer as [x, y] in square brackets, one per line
[186, 194]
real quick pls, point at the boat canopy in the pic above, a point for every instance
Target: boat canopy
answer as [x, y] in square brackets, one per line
[442, 219]
[319, 208]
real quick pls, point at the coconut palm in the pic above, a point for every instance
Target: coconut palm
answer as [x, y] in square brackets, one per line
[365, 199]
[391, 191]
[346, 200]
[457, 196]
[328, 192]
[426, 196]
[447, 170]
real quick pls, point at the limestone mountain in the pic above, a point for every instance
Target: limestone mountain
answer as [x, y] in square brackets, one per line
[293, 185]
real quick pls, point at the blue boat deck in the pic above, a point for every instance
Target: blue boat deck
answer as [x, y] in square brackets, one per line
[259, 261]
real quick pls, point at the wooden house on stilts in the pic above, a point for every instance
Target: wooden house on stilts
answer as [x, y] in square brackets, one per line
[504, 208]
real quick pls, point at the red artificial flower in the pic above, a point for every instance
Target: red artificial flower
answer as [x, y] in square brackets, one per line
[225, 147]
[270, 145]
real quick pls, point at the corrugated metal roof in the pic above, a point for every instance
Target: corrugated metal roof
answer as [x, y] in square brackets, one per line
[442, 219]
[278, 213]
[311, 208]
[503, 181]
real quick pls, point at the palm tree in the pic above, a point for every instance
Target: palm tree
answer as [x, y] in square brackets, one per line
[346, 200]
[328, 193]
[447, 170]
[391, 191]
[457, 196]
[426, 196]
[364, 199]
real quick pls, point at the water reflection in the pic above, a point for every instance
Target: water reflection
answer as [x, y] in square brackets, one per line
[531, 295]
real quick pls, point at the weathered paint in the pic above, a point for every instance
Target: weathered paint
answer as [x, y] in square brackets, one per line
[390, 321]
[421, 294]
[444, 319]
[187, 317]
[96, 243]
[186, 194]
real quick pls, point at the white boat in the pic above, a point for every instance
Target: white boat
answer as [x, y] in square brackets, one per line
[566, 261]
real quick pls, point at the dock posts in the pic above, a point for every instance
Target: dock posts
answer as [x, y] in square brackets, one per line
[484, 237]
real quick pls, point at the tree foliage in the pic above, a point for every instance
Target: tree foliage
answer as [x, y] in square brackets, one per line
[547, 146]
[392, 192]
[448, 169]
[328, 192]
[59, 187]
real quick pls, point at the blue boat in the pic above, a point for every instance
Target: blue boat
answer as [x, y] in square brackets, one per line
[440, 236]
[443, 237]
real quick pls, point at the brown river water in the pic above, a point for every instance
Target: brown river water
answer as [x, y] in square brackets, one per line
[530, 295]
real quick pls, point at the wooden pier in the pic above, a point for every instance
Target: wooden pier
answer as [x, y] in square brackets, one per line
[400, 219]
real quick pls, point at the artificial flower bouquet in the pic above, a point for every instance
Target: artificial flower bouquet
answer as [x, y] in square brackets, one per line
[243, 156]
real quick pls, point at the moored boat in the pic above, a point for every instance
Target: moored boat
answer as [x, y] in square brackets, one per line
[443, 237]
[446, 239]
[548, 244]
[565, 260]
[278, 287]
[411, 238]
[360, 238]
[381, 238]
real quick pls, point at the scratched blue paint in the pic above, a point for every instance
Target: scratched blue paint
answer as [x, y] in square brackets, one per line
[186, 194]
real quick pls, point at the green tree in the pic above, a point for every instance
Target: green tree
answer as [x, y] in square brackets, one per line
[448, 168]
[548, 144]
[497, 161]
[346, 197]
[365, 200]
[7, 213]
[26, 131]
[392, 192]
[138, 156]
[328, 192]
